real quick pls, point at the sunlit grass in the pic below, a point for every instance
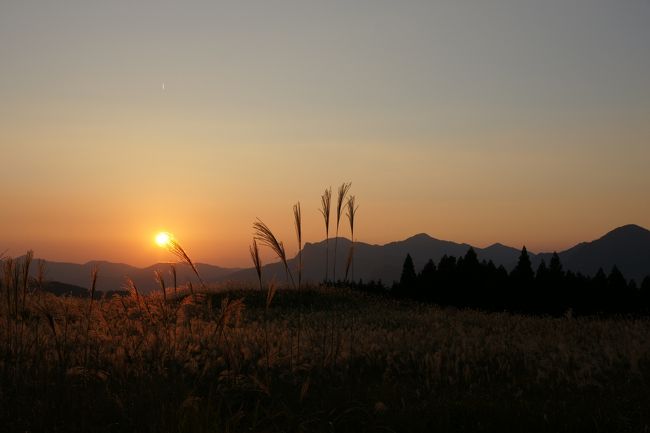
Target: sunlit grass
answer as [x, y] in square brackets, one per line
[342, 193]
[168, 241]
[225, 358]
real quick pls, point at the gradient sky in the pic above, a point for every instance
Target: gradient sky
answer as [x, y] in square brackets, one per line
[514, 121]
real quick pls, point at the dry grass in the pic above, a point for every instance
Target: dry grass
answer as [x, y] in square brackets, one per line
[206, 363]
[342, 193]
[326, 202]
[175, 248]
[297, 219]
[351, 214]
[257, 261]
[264, 234]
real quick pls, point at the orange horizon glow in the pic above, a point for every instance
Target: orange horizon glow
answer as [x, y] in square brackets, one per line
[230, 249]
[454, 119]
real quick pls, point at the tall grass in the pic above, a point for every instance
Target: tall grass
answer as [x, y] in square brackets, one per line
[160, 279]
[9, 267]
[270, 293]
[16, 283]
[175, 248]
[40, 274]
[351, 213]
[406, 368]
[27, 261]
[257, 261]
[93, 284]
[174, 279]
[266, 237]
[326, 201]
[297, 220]
[342, 192]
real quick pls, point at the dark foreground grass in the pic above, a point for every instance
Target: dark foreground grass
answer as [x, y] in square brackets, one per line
[205, 364]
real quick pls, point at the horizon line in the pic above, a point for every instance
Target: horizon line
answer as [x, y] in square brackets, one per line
[332, 238]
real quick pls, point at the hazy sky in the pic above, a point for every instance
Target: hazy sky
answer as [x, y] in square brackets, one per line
[514, 121]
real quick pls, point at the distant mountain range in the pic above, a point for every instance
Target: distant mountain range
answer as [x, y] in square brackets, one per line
[627, 247]
[112, 276]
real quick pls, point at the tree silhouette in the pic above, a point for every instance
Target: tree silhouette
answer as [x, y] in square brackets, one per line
[599, 291]
[467, 282]
[555, 267]
[616, 289]
[521, 282]
[447, 279]
[542, 272]
[408, 279]
[524, 269]
[469, 273]
[426, 281]
[645, 294]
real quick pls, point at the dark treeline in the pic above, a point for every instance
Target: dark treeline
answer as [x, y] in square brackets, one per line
[466, 282]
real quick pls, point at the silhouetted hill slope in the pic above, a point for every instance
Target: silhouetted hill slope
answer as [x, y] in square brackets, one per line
[500, 254]
[374, 262]
[112, 276]
[64, 289]
[627, 247]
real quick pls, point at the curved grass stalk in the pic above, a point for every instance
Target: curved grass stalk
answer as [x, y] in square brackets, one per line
[297, 216]
[175, 248]
[326, 201]
[351, 213]
[343, 191]
[255, 256]
[266, 237]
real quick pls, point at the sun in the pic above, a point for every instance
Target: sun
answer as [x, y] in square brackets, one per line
[163, 239]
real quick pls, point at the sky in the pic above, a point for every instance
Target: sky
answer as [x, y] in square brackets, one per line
[514, 121]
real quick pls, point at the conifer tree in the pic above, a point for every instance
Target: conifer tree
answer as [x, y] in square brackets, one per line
[523, 272]
[555, 267]
[408, 278]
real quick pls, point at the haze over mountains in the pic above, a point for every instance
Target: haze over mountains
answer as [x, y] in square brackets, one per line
[627, 247]
[112, 276]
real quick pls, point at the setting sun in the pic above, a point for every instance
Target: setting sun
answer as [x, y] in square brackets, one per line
[163, 239]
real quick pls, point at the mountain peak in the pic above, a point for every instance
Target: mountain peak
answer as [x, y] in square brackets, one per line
[627, 247]
[627, 233]
[496, 245]
[420, 236]
[629, 228]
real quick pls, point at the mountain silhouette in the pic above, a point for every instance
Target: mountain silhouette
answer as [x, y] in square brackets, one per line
[112, 276]
[376, 262]
[627, 247]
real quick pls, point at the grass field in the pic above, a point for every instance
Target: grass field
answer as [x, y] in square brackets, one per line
[323, 360]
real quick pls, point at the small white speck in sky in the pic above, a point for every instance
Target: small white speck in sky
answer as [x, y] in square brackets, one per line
[163, 86]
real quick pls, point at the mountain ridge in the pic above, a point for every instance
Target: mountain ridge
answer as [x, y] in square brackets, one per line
[627, 247]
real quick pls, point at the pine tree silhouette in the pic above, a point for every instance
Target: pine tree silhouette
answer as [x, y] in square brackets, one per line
[617, 288]
[555, 267]
[408, 279]
[599, 291]
[645, 294]
[426, 281]
[524, 269]
[466, 282]
[521, 282]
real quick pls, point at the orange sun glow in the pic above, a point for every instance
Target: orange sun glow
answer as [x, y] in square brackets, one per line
[163, 239]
